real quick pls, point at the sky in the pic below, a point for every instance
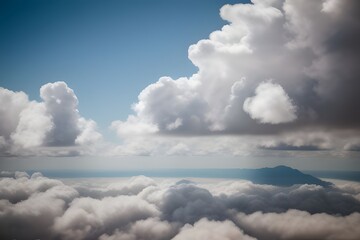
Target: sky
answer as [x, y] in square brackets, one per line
[140, 84]
[121, 45]
[96, 88]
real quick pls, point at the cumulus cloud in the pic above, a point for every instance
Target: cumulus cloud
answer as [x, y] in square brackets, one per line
[188, 203]
[132, 186]
[295, 224]
[150, 228]
[143, 208]
[34, 124]
[29, 127]
[12, 103]
[205, 229]
[88, 218]
[29, 206]
[271, 104]
[308, 51]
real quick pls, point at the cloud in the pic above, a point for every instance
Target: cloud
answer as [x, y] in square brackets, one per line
[150, 228]
[61, 104]
[308, 51]
[44, 128]
[34, 124]
[295, 224]
[29, 206]
[89, 218]
[271, 104]
[143, 208]
[205, 229]
[132, 186]
[188, 203]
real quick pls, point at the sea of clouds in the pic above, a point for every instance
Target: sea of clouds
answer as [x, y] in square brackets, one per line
[37, 207]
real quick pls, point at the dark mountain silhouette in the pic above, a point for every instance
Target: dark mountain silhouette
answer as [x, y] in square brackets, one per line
[281, 176]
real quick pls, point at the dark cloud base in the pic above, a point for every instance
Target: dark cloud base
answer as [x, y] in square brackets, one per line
[36, 207]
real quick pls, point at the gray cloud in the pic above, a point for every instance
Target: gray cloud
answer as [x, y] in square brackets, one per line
[287, 147]
[205, 229]
[310, 198]
[61, 104]
[89, 218]
[29, 206]
[44, 128]
[150, 228]
[310, 52]
[131, 187]
[295, 224]
[142, 208]
[187, 203]
[270, 104]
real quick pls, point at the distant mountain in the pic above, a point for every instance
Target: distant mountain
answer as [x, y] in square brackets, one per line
[280, 176]
[184, 181]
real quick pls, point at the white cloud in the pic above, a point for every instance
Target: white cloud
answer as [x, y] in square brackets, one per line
[12, 103]
[306, 48]
[271, 104]
[295, 224]
[87, 217]
[133, 126]
[44, 128]
[88, 132]
[212, 230]
[34, 124]
[143, 208]
[150, 228]
[61, 104]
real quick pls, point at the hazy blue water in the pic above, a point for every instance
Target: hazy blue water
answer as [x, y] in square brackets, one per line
[341, 175]
[195, 173]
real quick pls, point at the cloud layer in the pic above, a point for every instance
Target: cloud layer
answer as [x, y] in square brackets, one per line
[142, 208]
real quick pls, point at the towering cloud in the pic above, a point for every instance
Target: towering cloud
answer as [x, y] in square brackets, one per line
[310, 52]
[270, 104]
[55, 122]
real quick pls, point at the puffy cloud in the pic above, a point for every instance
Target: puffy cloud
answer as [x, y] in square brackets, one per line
[160, 106]
[309, 51]
[205, 229]
[89, 218]
[143, 208]
[132, 186]
[133, 126]
[271, 104]
[22, 186]
[34, 124]
[295, 224]
[151, 228]
[310, 198]
[30, 127]
[88, 132]
[61, 104]
[29, 206]
[188, 203]
[12, 103]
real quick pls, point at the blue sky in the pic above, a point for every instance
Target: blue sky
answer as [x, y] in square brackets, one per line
[252, 84]
[107, 51]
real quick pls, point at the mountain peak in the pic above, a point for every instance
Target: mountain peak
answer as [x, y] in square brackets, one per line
[283, 176]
